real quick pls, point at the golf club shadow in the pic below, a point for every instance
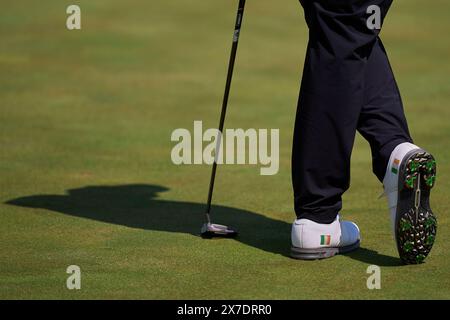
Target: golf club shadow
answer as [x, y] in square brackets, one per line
[138, 206]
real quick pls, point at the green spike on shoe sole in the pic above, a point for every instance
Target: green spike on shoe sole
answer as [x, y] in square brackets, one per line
[405, 225]
[408, 246]
[420, 258]
[430, 165]
[430, 181]
[430, 223]
[414, 166]
[410, 182]
[430, 240]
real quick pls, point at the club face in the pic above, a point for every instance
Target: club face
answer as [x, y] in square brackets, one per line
[211, 230]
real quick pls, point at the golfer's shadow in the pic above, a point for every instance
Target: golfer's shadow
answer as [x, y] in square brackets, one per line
[138, 206]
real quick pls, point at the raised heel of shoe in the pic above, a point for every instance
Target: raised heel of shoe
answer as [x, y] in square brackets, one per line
[416, 224]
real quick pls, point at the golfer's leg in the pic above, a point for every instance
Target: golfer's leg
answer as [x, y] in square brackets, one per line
[382, 121]
[331, 98]
[407, 171]
[323, 139]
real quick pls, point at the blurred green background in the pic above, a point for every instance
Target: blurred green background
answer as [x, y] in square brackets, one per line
[85, 171]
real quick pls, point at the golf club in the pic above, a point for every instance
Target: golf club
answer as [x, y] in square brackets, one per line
[210, 230]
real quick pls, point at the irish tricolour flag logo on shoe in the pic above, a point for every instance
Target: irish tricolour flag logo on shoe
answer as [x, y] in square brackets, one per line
[325, 240]
[395, 166]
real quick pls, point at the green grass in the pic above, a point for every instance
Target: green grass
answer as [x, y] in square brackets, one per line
[85, 124]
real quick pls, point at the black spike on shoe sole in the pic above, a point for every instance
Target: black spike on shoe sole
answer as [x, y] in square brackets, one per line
[416, 226]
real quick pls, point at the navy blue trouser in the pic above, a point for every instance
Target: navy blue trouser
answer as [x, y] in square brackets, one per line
[347, 86]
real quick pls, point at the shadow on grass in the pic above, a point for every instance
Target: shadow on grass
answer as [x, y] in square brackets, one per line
[137, 206]
[373, 257]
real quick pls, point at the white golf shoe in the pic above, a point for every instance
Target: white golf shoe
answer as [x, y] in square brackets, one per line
[410, 175]
[311, 240]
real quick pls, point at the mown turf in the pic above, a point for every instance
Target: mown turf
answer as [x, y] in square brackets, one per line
[85, 171]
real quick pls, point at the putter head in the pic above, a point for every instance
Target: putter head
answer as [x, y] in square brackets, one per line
[211, 230]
